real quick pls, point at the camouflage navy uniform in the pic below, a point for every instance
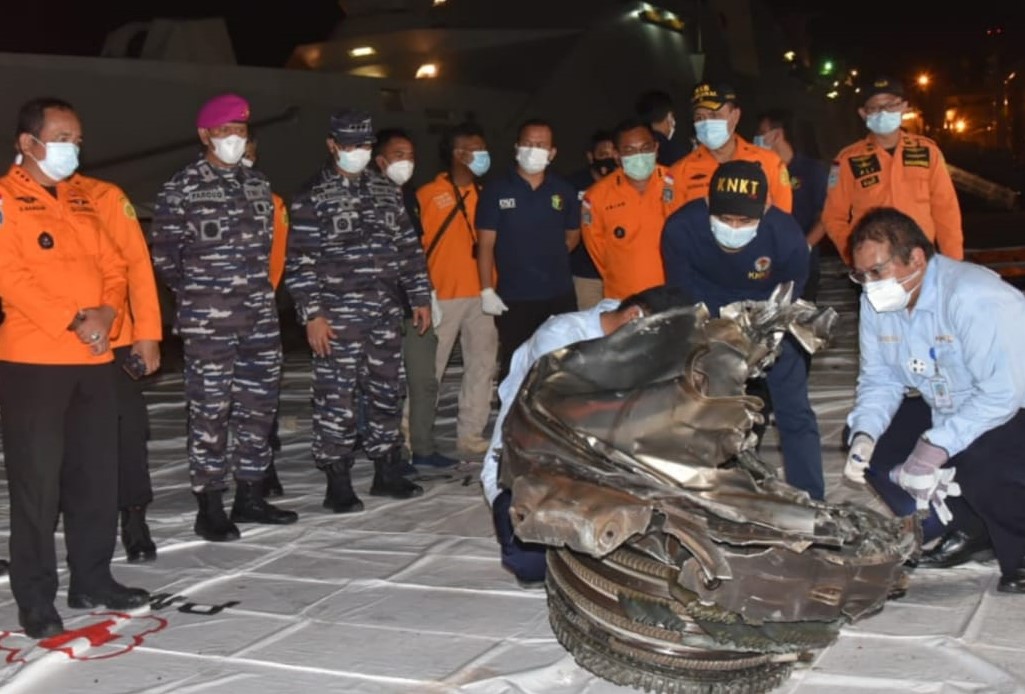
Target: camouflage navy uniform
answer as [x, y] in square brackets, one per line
[211, 243]
[351, 250]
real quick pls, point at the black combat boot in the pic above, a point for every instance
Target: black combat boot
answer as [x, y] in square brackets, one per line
[388, 479]
[135, 535]
[250, 506]
[340, 498]
[271, 483]
[212, 523]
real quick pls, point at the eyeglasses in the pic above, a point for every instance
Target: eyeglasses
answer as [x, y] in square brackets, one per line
[873, 274]
[889, 107]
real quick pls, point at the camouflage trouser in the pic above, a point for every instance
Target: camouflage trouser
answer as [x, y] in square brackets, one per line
[366, 359]
[232, 379]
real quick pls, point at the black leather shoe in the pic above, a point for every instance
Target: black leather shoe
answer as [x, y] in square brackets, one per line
[114, 597]
[40, 624]
[1012, 583]
[955, 548]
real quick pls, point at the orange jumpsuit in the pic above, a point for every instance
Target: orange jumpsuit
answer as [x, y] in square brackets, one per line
[56, 258]
[279, 242]
[914, 179]
[693, 173]
[622, 229]
[142, 309]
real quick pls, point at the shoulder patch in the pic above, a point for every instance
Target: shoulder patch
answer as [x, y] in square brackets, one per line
[784, 176]
[128, 208]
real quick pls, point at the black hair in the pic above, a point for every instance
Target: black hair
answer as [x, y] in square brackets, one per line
[448, 139]
[888, 224]
[657, 299]
[535, 123]
[628, 125]
[653, 106]
[597, 137]
[32, 114]
[779, 118]
[386, 135]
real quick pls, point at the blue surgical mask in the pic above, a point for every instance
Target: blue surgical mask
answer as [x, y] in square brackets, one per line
[712, 133]
[759, 141]
[480, 163]
[61, 159]
[883, 122]
[639, 167]
[732, 237]
[353, 161]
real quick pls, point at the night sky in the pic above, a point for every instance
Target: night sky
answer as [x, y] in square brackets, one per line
[896, 36]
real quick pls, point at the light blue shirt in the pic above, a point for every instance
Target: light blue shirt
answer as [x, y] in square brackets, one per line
[555, 333]
[967, 332]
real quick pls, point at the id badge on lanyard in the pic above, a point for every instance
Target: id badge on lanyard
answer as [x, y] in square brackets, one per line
[941, 397]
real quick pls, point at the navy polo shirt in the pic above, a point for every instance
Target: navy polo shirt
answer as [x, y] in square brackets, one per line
[808, 179]
[530, 226]
[709, 273]
[580, 262]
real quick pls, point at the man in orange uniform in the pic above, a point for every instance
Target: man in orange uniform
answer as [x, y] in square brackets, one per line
[138, 341]
[63, 285]
[892, 168]
[448, 207]
[716, 115]
[623, 214]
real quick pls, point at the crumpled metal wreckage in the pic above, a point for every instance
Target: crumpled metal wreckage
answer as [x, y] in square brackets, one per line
[678, 561]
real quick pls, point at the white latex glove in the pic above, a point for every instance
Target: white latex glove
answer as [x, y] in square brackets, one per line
[858, 457]
[491, 303]
[435, 310]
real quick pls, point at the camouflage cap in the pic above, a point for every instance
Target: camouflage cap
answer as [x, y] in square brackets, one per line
[351, 127]
[884, 85]
[712, 95]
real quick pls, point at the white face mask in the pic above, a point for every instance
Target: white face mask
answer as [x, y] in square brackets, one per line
[354, 160]
[672, 127]
[399, 171]
[884, 122]
[732, 237]
[532, 160]
[712, 133]
[229, 149]
[247, 162]
[889, 294]
[61, 159]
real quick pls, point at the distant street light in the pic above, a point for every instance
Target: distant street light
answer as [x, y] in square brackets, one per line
[924, 80]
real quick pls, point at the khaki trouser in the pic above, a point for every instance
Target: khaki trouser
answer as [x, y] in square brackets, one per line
[589, 292]
[478, 342]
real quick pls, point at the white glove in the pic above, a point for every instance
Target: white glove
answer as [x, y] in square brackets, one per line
[491, 303]
[858, 457]
[435, 310]
[946, 487]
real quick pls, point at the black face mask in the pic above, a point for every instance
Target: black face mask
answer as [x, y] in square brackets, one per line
[603, 167]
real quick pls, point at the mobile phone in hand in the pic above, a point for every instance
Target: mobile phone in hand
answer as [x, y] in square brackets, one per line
[134, 366]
